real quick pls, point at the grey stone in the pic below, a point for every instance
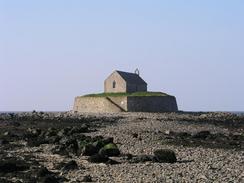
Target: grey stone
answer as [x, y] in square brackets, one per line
[165, 156]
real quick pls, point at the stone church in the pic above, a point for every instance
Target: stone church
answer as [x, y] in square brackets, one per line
[124, 82]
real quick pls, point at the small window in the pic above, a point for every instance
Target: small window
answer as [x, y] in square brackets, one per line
[114, 84]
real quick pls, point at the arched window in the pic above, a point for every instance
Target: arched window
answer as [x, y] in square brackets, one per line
[114, 84]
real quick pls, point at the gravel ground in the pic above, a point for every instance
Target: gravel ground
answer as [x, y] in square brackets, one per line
[143, 133]
[194, 164]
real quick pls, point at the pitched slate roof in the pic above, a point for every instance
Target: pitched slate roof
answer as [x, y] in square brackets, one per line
[131, 77]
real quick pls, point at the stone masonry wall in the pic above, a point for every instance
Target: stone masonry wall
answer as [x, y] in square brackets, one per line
[95, 104]
[125, 104]
[120, 101]
[152, 104]
[120, 84]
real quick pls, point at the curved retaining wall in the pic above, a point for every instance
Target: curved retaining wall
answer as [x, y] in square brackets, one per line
[125, 104]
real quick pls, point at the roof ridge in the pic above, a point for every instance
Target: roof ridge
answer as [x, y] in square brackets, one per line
[131, 77]
[126, 72]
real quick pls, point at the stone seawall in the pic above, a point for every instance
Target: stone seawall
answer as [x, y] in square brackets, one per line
[125, 104]
[152, 104]
[100, 104]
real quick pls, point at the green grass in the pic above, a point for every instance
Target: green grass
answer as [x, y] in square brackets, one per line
[136, 94]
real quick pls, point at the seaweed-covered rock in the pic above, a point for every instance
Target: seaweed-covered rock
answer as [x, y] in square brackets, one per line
[3, 142]
[81, 129]
[53, 139]
[33, 132]
[36, 141]
[12, 165]
[50, 132]
[165, 156]
[3, 180]
[89, 150]
[98, 144]
[98, 158]
[108, 140]
[62, 132]
[103, 142]
[50, 179]
[66, 141]
[43, 171]
[202, 135]
[73, 148]
[110, 149]
[183, 134]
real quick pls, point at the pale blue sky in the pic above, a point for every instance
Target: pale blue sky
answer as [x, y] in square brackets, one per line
[54, 50]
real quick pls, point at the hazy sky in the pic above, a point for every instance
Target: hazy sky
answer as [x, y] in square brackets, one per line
[54, 50]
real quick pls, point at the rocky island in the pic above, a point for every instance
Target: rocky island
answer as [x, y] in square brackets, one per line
[125, 92]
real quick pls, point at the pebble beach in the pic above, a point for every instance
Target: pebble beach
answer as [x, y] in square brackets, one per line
[208, 147]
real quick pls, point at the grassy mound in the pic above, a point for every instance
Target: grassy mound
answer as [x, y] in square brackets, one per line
[136, 94]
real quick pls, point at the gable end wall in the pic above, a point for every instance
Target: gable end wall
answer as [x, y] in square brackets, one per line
[120, 84]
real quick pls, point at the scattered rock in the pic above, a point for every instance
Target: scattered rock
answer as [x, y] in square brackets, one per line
[6, 134]
[3, 180]
[202, 135]
[80, 129]
[87, 178]
[50, 179]
[42, 172]
[165, 156]
[66, 137]
[33, 132]
[128, 156]
[89, 150]
[112, 162]
[135, 135]
[142, 158]
[12, 165]
[3, 142]
[50, 132]
[108, 140]
[71, 165]
[36, 141]
[183, 134]
[98, 144]
[53, 139]
[62, 132]
[168, 132]
[98, 158]
[68, 145]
